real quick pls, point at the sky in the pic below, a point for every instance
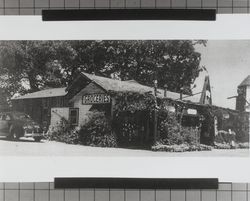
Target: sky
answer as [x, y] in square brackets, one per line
[228, 64]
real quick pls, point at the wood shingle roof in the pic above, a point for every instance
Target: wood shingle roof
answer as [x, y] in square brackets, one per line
[124, 86]
[109, 84]
[53, 92]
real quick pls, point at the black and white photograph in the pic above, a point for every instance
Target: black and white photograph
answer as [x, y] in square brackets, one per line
[125, 98]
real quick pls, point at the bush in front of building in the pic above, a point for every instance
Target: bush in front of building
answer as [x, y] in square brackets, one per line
[225, 137]
[63, 132]
[243, 145]
[97, 131]
[181, 147]
[190, 135]
[173, 137]
[242, 136]
[171, 132]
[221, 146]
[169, 129]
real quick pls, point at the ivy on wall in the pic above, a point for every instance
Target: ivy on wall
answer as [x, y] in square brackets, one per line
[132, 102]
[128, 103]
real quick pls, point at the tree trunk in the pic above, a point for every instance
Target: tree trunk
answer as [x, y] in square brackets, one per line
[33, 82]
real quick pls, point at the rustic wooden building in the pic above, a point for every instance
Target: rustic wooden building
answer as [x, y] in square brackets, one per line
[38, 104]
[89, 92]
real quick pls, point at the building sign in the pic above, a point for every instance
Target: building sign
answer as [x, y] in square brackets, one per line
[192, 111]
[95, 99]
[169, 108]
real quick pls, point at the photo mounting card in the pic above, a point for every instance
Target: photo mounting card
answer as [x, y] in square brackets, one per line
[92, 99]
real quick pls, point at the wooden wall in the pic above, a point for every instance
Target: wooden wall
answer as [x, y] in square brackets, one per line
[39, 108]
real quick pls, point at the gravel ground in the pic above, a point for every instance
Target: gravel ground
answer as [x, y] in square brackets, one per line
[27, 147]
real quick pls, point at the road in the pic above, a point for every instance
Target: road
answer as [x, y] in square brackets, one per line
[27, 147]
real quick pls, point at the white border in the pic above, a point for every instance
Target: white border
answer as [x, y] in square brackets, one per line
[46, 168]
[227, 26]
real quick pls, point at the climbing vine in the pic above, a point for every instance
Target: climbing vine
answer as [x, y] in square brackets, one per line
[132, 102]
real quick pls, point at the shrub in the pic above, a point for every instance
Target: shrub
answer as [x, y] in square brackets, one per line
[181, 147]
[97, 131]
[171, 132]
[190, 135]
[169, 129]
[244, 145]
[242, 136]
[221, 146]
[63, 132]
[224, 137]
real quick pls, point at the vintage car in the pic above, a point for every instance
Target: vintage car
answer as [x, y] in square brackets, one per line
[14, 125]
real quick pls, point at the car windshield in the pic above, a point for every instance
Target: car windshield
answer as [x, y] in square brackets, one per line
[21, 116]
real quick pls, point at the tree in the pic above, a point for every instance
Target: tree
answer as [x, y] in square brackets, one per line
[174, 63]
[28, 66]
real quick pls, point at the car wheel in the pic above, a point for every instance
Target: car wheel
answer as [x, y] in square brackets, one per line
[37, 139]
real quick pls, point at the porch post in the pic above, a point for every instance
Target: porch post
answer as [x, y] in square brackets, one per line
[155, 126]
[155, 111]
[112, 108]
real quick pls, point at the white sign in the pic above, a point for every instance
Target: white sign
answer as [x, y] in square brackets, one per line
[95, 99]
[192, 111]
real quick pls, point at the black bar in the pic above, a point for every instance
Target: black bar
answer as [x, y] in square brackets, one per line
[129, 14]
[136, 183]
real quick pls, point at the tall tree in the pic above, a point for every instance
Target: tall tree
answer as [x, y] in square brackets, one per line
[174, 63]
[27, 66]
[29, 63]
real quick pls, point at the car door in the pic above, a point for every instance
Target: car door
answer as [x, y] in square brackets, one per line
[4, 124]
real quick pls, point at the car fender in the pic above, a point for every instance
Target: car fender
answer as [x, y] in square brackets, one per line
[17, 128]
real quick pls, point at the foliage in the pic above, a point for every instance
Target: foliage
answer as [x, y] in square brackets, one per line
[224, 137]
[241, 135]
[244, 145]
[128, 132]
[190, 135]
[132, 102]
[221, 146]
[169, 129]
[181, 147]
[174, 62]
[63, 133]
[171, 132]
[97, 131]
[207, 124]
[129, 107]
[28, 66]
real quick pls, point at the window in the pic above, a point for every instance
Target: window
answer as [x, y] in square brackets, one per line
[73, 116]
